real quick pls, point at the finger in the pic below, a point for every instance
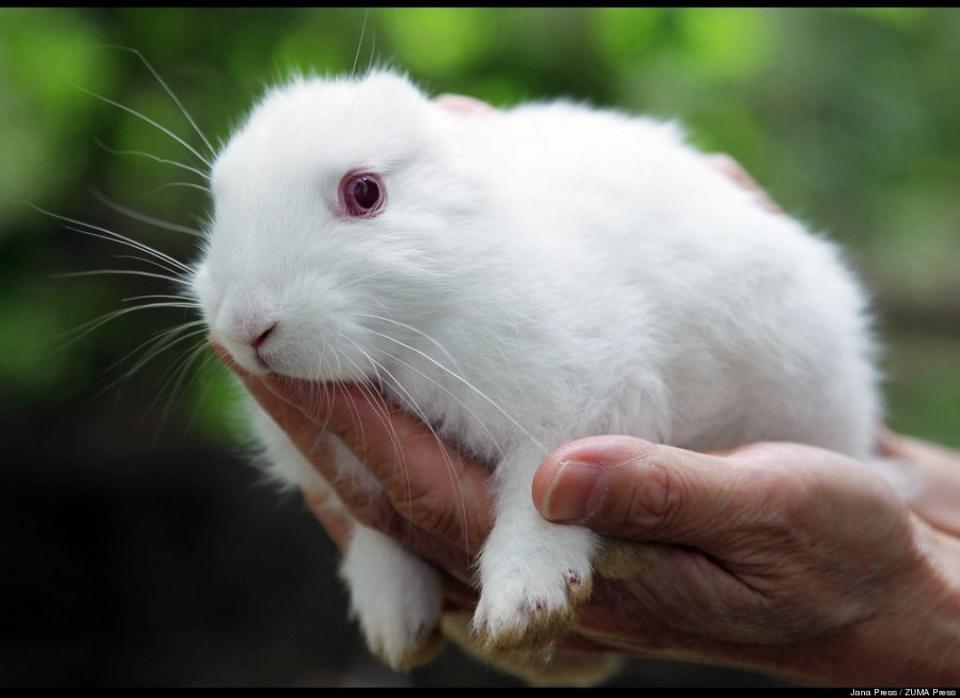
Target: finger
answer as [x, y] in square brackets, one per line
[616, 619]
[629, 623]
[574, 642]
[680, 591]
[735, 171]
[916, 451]
[931, 474]
[629, 488]
[465, 105]
[426, 481]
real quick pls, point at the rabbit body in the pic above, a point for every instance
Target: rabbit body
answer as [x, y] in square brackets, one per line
[539, 274]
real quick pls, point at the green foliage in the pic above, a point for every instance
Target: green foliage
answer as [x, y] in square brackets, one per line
[848, 116]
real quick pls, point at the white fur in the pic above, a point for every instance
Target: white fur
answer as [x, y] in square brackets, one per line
[584, 271]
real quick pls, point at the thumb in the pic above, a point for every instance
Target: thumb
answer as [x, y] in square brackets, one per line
[625, 487]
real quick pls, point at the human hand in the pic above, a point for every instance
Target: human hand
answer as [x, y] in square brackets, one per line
[781, 557]
[785, 558]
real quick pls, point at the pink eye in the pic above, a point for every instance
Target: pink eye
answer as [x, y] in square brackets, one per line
[362, 194]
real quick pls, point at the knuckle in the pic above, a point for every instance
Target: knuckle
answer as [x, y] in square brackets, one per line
[787, 510]
[654, 501]
[796, 503]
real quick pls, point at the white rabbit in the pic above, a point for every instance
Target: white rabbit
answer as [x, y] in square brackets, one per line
[519, 279]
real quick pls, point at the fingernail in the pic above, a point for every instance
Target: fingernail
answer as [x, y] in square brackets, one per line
[573, 492]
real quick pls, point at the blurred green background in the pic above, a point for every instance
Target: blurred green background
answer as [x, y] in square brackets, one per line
[849, 117]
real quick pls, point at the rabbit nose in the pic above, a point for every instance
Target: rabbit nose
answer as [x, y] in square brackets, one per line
[257, 342]
[259, 339]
